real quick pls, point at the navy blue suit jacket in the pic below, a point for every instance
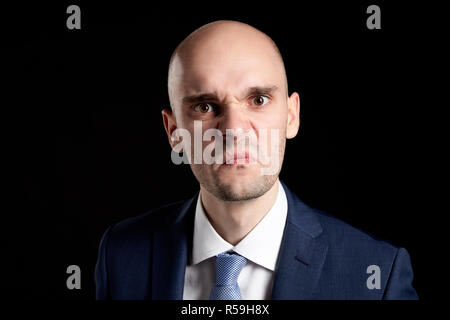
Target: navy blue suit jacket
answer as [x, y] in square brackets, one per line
[320, 257]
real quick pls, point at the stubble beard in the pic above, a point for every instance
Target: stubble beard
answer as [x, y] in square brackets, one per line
[227, 191]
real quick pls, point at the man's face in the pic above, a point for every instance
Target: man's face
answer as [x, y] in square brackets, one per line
[231, 83]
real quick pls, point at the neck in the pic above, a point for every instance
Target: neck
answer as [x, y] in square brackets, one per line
[233, 220]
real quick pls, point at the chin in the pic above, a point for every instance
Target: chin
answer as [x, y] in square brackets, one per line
[234, 182]
[237, 173]
[240, 187]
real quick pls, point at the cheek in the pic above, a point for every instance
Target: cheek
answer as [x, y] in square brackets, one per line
[197, 142]
[274, 123]
[275, 118]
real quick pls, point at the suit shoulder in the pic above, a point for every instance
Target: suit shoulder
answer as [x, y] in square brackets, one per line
[150, 221]
[355, 255]
[342, 233]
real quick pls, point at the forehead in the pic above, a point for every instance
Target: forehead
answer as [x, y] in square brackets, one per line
[227, 66]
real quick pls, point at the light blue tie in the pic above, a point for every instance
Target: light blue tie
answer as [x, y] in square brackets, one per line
[228, 268]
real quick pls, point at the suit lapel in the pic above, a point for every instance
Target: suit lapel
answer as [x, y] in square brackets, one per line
[299, 266]
[171, 251]
[302, 253]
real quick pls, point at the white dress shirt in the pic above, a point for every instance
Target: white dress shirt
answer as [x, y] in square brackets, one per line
[261, 247]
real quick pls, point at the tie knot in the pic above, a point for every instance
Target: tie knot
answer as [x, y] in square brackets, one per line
[228, 268]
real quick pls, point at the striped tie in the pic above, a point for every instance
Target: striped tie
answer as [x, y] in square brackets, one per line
[228, 268]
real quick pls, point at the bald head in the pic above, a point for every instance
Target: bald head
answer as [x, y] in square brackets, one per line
[221, 53]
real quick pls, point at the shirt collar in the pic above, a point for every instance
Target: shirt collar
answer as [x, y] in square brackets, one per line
[261, 245]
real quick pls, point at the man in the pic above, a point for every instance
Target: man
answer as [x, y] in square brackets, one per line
[244, 235]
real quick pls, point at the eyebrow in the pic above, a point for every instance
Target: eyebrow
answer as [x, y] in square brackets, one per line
[257, 90]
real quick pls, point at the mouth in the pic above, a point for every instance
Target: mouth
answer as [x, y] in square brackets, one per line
[239, 159]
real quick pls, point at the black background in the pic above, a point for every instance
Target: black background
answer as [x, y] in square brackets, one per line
[85, 146]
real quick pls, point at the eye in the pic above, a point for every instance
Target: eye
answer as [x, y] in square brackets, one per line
[204, 108]
[260, 100]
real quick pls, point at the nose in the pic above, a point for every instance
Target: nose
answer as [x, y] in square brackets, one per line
[234, 118]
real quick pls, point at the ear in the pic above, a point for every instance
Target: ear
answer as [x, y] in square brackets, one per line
[293, 119]
[170, 125]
